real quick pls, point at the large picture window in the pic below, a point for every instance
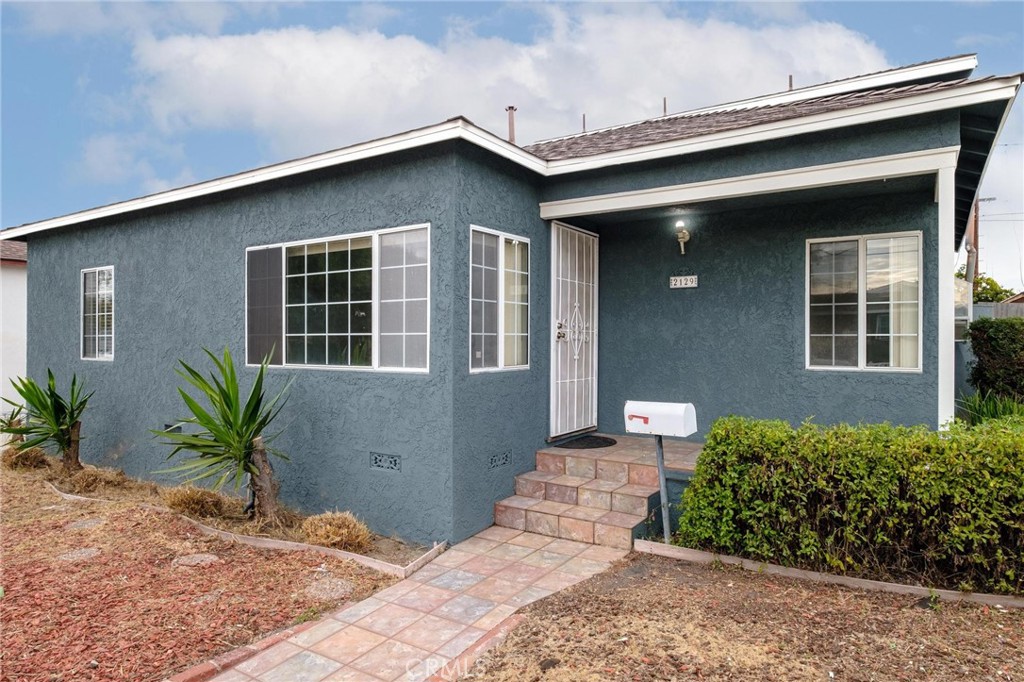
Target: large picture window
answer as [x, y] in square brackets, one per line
[499, 316]
[354, 301]
[98, 313]
[864, 302]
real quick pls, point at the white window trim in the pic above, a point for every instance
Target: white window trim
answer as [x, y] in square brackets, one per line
[374, 293]
[81, 314]
[502, 236]
[862, 303]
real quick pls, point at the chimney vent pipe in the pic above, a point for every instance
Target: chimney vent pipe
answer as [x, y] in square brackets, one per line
[511, 123]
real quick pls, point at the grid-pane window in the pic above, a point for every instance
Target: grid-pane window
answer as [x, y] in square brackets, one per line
[329, 303]
[893, 300]
[833, 303]
[98, 313]
[517, 303]
[864, 302]
[404, 305]
[499, 297]
[483, 301]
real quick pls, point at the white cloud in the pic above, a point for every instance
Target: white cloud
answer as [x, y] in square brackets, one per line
[367, 15]
[976, 40]
[304, 90]
[117, 158]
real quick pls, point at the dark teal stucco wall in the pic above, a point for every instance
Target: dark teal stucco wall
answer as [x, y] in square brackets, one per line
[179, 286]
[735, 344]
[504, 413]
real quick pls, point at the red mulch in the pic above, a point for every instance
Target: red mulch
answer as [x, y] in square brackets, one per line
[127, 613]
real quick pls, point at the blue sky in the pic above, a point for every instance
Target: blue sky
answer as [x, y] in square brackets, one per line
[107, 101]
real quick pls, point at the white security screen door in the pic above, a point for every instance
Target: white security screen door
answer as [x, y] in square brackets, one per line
[573, 330]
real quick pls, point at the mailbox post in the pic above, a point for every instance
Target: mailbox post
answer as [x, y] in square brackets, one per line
[661, 419]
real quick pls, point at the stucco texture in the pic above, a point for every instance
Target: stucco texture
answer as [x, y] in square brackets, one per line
[180, 286]
[735, 344]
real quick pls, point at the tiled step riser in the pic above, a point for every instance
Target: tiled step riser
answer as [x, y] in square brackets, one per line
[583, 524]
[595, 493]
[605, 470]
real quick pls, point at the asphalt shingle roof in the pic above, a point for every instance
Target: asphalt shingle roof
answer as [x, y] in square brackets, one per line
[682, 126]
[13, 250]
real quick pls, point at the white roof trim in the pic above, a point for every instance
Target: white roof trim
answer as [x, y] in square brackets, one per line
[460, 129]
[884, 79]
[842, 173]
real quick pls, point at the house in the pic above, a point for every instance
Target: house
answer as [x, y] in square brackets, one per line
[447, 301]
[13, 317]
[1016, 298]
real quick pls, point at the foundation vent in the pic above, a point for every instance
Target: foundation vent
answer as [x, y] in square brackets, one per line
[500, 460]
[384, 462]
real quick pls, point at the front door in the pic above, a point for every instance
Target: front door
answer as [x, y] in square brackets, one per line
[573, 330]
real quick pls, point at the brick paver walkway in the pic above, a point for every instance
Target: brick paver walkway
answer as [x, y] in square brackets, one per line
[418, 627]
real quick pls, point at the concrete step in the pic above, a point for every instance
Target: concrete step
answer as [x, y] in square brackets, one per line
[623, 468]
[570, 521]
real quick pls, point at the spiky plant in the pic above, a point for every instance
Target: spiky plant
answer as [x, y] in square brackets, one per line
[230, 442]
[49, 418]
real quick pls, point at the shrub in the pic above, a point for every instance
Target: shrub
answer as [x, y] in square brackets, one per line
[91, 479]
[32, 458]
[340, 530]
[193, 501]
[877, 500]
[998, 345]
[979, 407]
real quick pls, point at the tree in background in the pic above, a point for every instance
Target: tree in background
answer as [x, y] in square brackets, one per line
[986, 289]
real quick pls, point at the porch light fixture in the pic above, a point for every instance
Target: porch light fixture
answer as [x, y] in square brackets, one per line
[682, 235]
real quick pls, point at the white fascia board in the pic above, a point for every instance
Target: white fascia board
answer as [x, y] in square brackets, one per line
[978, 93]
[449, 130]
[893, 78]
[847, 172]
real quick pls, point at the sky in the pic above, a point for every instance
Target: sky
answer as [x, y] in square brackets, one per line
[102, 102]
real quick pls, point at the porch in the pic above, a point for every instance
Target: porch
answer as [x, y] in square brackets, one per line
[604, 496]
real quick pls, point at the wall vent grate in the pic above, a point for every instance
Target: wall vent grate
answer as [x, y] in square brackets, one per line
[384, 462]
[500, 460]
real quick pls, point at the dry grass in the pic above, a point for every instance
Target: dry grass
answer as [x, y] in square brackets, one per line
[195, 502]
[32, 458]
[90, 479]
[651, 618]
[340, 530]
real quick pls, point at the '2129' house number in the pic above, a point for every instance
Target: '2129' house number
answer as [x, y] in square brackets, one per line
[683, 282]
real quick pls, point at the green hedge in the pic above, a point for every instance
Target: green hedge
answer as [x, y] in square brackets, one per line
[882, 501]
[998, 345]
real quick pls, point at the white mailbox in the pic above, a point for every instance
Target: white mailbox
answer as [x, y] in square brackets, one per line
[660, 419]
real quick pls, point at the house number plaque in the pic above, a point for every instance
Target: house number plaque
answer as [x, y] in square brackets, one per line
[683, 282]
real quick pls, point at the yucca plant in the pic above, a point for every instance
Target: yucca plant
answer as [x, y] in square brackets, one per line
[230, 443]
[49, 419]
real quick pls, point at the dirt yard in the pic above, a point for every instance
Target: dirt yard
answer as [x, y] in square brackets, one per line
[653, 618]
[118, 591]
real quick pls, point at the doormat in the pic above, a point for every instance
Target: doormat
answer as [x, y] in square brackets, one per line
[587, 443]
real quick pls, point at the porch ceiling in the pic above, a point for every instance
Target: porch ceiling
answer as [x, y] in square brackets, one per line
[804, 196]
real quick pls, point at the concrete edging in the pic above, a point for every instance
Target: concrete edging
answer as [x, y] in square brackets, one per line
[698, 557]
[270, 543]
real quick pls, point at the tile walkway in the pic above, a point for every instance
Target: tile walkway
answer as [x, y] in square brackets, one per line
[418, 627]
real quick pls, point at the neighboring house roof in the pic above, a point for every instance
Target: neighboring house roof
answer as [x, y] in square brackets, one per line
[1016, 298]
[13, 250]
[688, 125]
[829, 106]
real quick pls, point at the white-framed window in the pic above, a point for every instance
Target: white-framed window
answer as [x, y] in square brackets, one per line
[353, 301]
[864, 302]
[98, 313]
[499, 300]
